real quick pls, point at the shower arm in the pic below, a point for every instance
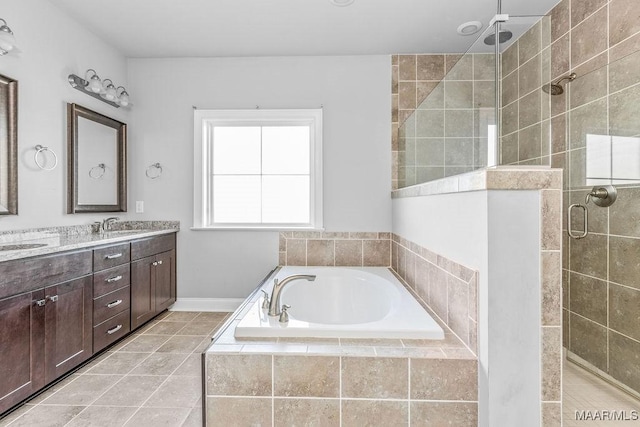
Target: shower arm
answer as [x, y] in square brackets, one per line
[571, 77]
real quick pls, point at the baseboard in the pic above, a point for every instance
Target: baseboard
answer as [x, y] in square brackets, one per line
[206, 304]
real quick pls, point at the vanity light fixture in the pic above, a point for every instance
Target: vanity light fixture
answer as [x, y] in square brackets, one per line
[104, 90]
[7, 39]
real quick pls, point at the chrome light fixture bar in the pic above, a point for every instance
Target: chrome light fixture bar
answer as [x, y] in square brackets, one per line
[7, 39]
[104, 90]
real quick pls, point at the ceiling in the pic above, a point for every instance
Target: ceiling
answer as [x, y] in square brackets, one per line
[219, 28]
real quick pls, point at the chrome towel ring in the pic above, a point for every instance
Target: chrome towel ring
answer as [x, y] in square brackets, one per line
[97, 172]
[154, 171]
[42, 149]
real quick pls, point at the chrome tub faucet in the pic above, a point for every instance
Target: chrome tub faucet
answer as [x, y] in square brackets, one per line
[274, 301]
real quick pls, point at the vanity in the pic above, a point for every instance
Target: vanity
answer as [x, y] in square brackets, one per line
[65, 297]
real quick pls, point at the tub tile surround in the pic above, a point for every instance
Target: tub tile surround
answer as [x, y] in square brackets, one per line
[342, 382]
[340, 249]
[444, 287]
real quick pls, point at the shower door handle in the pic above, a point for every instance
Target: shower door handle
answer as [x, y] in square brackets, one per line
[585, 216]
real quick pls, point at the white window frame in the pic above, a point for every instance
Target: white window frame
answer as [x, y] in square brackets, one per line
[206, 120]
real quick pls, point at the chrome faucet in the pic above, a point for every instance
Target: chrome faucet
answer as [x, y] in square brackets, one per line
[106, 223]
[274, 302]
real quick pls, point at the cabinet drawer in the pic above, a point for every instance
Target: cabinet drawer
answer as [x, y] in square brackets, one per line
[154, 245]
[110, 256]
[111, 304]
[111, 330]
[109, 280]
[24, 275]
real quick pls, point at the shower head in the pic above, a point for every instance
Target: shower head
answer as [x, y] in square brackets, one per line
[504, 35]
[556, 88]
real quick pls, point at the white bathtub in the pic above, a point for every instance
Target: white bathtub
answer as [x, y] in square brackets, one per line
[343, 302]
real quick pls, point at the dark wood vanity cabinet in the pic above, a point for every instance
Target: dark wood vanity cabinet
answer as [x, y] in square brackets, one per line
[56, 311]
[46, 330]
[153, 278]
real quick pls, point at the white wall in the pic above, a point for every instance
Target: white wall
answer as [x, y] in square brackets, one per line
[354, 92]
[53, 46]
[496, 233]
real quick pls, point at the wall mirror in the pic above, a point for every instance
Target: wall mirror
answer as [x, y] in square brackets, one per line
[97, 156]
[8, 146]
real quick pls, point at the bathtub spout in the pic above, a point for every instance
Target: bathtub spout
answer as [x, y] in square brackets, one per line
[274, 302]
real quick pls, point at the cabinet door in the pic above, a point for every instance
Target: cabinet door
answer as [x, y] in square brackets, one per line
[143, 305]
[165, 280]
[21, 347]
[68, 326]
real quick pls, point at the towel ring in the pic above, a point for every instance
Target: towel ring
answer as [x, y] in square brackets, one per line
[101, 169]
[154, 167]
[41, 149]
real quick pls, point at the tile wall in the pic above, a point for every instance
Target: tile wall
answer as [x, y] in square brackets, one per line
[448, 288]
[346, 249]
[439, 104]
[525, 107]
[600, 41]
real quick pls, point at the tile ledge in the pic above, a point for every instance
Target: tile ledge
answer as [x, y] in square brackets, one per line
[493, 178]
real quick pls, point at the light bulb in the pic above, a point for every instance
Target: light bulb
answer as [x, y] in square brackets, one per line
[95, 85]
[110, 92]
[7, 40]
[124, 99]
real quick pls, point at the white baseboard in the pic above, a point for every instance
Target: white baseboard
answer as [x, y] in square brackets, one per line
[206, 304]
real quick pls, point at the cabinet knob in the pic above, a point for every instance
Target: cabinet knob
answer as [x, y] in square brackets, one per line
[155, 263]
[159, 262]
[40, 302]
[53, 298]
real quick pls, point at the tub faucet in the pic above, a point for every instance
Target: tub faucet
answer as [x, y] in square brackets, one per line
[274, 302]
[106, 223]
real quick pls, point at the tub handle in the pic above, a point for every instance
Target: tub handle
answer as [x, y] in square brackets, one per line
[284, 317]
[265, 302]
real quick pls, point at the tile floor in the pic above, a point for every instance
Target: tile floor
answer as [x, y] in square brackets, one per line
[584, 391]
[151, 378]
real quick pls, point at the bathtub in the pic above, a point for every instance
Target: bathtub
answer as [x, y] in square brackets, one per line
[343, 302]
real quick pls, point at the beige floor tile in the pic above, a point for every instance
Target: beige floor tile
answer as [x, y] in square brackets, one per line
[144, 343]
[83, 391]
[191, 367]
[199, 328]
[158, 417]
[165, 328]
[212, 317]
[102, 416]
[160, 364]
[119, 363]
[181, 316]
[180, 344]
[177, 392]
[132, 390]
[47, 416]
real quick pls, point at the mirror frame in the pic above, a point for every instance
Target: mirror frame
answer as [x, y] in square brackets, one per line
[9, 100]
[74, 112]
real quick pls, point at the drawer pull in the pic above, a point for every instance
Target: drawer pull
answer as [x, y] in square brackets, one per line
[159, 262]
[114, 329]
[53, 298]
[114, 256]
[113, 279]
[41, 302]
[155, 263]
[115, 303]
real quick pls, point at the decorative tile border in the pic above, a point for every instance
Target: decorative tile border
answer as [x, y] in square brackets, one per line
[347, 249]
[449, 289]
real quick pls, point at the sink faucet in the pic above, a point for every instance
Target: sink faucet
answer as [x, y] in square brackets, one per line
[274, 302]
[106, 223]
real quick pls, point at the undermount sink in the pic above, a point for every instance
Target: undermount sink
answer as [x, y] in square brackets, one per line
[20, 246]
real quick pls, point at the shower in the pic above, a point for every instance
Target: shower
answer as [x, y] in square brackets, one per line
[504, 36]
[556, 88]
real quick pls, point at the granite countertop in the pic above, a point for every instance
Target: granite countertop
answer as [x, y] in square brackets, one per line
[18, 244]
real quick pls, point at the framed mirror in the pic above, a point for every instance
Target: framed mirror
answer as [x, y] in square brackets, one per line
[97, 162]
[8, 146]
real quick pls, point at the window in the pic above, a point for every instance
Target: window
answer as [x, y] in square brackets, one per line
[258, 169]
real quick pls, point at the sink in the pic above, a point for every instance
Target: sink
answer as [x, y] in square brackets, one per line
[20, 246]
